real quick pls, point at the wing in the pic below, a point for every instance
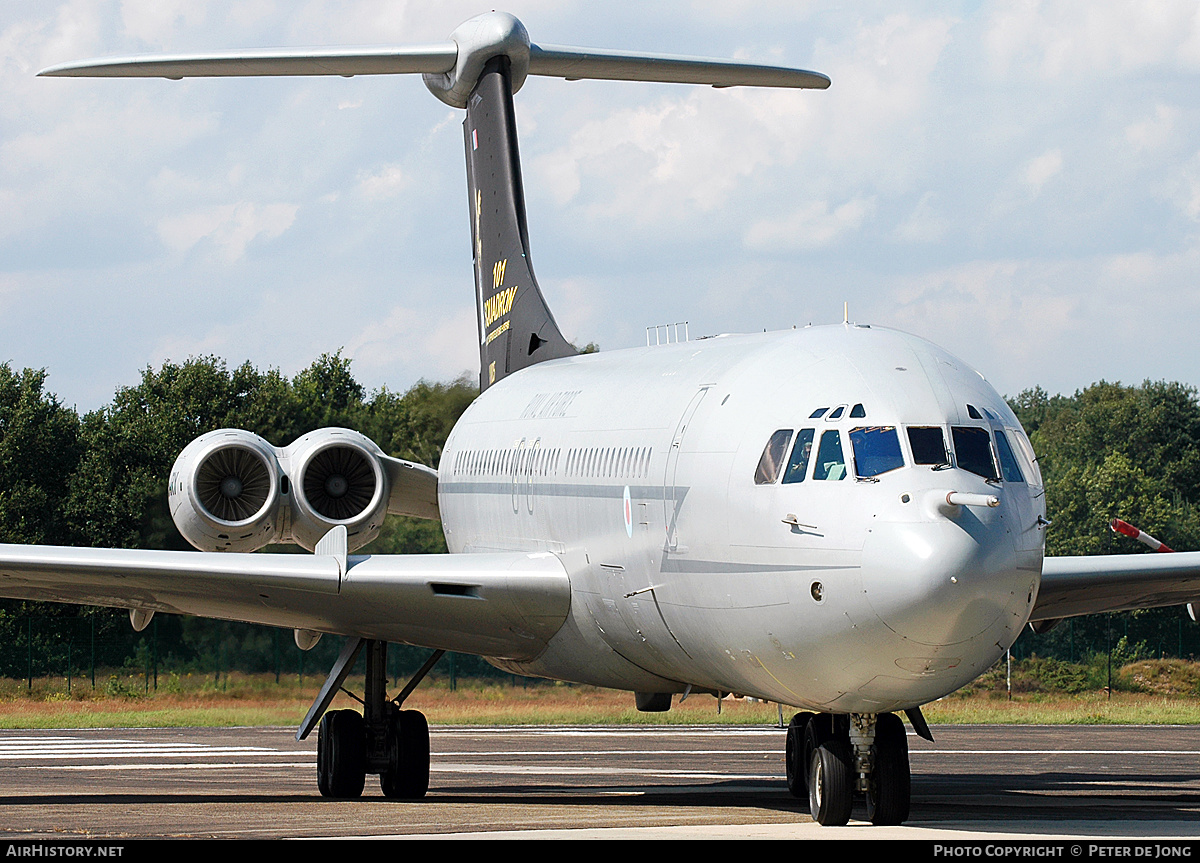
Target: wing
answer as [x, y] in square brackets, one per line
[502, 605]
[1073, 586]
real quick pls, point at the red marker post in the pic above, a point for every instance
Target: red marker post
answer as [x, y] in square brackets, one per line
[1141, 536]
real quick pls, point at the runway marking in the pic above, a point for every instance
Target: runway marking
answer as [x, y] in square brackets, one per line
[231, 765]
[28, 748]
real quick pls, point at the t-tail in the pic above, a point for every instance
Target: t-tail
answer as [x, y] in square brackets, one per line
[481, 66]
[516, 328]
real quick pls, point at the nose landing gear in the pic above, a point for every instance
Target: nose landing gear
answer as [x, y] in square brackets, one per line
[833, 758]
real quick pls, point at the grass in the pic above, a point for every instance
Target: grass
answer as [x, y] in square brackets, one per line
[1148, 692]
[243, 699]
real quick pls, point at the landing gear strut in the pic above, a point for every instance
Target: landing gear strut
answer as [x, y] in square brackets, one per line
[831, 758]
[383, 739]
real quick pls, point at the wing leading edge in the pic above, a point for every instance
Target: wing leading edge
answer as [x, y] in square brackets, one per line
[504, 605]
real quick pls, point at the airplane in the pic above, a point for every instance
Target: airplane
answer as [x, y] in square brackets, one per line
[843, 519]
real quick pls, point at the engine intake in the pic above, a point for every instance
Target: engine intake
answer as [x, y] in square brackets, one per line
[225, 492]
[338, 478]
[339, 483]
[234, 483]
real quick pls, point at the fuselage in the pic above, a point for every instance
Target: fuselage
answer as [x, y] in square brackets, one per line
[761, 514]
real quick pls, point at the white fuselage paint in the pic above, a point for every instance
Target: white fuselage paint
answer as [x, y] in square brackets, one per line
[636, 468]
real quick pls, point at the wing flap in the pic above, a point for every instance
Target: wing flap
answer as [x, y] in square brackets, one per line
[1072, 586]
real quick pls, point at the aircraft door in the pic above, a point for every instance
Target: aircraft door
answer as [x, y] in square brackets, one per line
[518, 455]
[672, 495]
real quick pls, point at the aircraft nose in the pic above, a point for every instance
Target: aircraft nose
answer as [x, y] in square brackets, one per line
[944, 582]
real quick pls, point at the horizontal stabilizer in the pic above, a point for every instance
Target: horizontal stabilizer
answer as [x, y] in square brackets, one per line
[452, 69]
[276, 61]
[576, 63]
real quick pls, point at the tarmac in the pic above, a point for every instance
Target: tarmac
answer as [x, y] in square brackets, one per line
[1002, 783]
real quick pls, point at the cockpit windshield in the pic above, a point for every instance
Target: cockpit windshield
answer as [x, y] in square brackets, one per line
[973, 449]
[876, 450]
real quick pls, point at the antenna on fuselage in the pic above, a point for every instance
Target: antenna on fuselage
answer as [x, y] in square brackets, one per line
[485, 61]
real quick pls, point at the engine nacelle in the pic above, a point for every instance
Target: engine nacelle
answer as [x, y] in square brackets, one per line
[338, 477]
[230, 490]
[225, 492]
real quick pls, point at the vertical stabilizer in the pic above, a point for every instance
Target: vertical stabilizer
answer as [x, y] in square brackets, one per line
[516, 328]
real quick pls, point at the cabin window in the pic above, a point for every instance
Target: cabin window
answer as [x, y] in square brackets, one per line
[801, 455]
[973, 449]
[772, 457]
[831, 464]
[1009, 469]
[928, 445]
[876, 450]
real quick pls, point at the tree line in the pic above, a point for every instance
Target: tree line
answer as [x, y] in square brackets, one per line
[99, 479]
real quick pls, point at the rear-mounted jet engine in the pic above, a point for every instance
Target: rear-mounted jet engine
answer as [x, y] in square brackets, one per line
[230, 490]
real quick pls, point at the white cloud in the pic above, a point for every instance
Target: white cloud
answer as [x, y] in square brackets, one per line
[384, 183]
[409, 337]
[924, 224]
[230, 227]
[811, 226]
[1052, 39]
[155, 22]
[1155, 131]
[1040, 169]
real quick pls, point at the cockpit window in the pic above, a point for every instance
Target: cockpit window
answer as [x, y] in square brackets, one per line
[973, 449]
[1029, 459]
[801, 452]
[837, 412]
[876, 450]
[831, 464]
[772, 457]
[819, 412]
[928, 445]
[857, 412]
[1008, 459]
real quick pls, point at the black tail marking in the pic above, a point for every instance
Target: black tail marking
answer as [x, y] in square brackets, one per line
[516, 328]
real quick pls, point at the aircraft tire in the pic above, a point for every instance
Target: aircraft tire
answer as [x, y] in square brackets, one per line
[341, 754]
[817, 730]
[797, 767]
[830, 784]
[890, 787]
[407, 776]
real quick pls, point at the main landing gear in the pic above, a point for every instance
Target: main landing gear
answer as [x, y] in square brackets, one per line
[832, 758]
[383, 739]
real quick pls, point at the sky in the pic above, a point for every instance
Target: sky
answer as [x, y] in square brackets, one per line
[1018, 182]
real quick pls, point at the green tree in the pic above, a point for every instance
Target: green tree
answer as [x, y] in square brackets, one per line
[1130, 452]
[39, 451]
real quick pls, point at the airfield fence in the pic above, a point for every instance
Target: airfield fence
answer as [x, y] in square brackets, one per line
[84, 649]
